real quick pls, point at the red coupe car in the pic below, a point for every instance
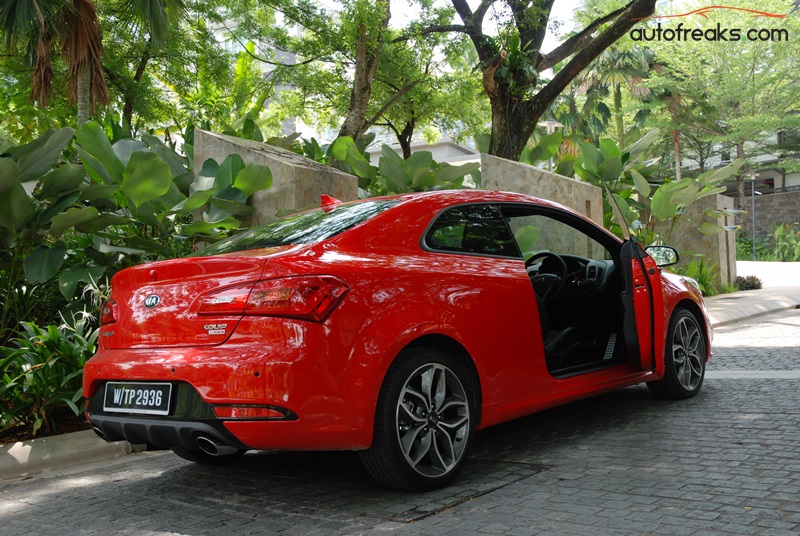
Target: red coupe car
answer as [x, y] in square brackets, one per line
[394, 326]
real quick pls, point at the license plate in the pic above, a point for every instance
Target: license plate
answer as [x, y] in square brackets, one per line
[147, 398]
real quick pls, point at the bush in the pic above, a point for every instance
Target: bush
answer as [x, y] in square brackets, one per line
[749, 282]
[707, 276]
[41, 372]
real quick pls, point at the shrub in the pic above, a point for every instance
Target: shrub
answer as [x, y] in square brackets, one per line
[749, 282]
[41, 372]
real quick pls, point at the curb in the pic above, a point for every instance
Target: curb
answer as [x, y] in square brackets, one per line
[24, 458]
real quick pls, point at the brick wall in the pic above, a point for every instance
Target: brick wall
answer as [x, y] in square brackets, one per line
[769, 208]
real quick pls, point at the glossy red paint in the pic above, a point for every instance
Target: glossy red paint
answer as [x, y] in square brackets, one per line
[328, 372]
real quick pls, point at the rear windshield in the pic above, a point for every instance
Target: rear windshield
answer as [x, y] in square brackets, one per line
[303, 228]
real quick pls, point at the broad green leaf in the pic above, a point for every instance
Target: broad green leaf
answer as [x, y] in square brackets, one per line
[642, 143]
[685, 196]
[590, 158]
[584, 173]
[145, 178]
[94, 142]
[68, 282]
[610, 169]
[101, 222]
[360, 165]
[708, 191]
[423, 179]
[218, 211]
[183, 182]
[152, 246]
[205, 179]
[625, 210]
[227, 172]
[59, 206]
[641, 184]
[230, 207]
[393, 173]
[418, 160]
[341, 146]
[193, 202]
[527, 237]
[566, 166]
[661, 207]
[178, 165]
[447, 173]
[43, 263]
[71, 218]
[35, 163]
[203, 227]
[16, 209]
[95, 192]
[61, 180]
[719, 174]
[608, 149]
[126, 147]
[253, 178]
[9, 174]
[707, 228]
[391, 154]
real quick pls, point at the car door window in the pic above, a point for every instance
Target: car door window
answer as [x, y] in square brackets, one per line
[535, 233]
[472, 229]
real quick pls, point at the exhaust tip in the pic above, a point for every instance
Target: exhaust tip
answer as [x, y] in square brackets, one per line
[207, 445]
[214, 448]
[100, 433]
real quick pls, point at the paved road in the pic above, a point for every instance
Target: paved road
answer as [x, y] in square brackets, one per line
[726, 462]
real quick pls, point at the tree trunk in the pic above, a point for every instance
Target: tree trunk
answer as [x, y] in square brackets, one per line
[676, 147]
[84, 91]
[511, 129]
[618, 119]
[740, 179]
[368, 53]
[404, 138]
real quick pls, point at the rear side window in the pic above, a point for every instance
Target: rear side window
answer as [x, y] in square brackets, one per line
[304, 228]
[477, 229]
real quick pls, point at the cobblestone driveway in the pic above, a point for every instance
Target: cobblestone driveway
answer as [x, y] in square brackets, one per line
[726, 462]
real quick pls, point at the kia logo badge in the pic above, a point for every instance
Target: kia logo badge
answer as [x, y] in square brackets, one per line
[151, 301]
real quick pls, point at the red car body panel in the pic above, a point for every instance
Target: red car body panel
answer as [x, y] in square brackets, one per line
[329, 373]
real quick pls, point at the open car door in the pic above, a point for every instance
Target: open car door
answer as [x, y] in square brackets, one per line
[642, 301]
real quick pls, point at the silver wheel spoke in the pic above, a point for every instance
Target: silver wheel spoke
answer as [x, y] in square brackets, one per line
[433, 420]
[687, 350]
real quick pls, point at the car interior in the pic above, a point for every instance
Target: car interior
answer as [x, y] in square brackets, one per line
[577, 285]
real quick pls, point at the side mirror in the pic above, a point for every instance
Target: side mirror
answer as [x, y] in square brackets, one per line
[663, 255]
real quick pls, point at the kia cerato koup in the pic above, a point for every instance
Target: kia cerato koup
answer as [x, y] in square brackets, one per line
[396, 327]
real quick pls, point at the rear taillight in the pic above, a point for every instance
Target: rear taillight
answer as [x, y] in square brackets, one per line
[311, 297]
[109, 313]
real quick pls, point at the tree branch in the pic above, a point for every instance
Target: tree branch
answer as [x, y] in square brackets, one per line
[626, 19]
[578, 41]
[388, 104]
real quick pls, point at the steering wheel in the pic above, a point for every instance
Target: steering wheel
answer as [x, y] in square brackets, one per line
[549, 286]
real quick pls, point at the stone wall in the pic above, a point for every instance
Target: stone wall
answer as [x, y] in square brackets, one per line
[770, 208]
[502, 174]
[297, 181]
[719, 249]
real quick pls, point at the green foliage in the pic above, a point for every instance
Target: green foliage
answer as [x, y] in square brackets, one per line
[132, 200]
[749, 282]
[787, 242]
[395, 175]
[41, 372]
[706, 276]
[765, 249]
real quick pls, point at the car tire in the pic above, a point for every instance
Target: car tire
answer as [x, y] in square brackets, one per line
[684, 358]
[203, 458]
[424, 422]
